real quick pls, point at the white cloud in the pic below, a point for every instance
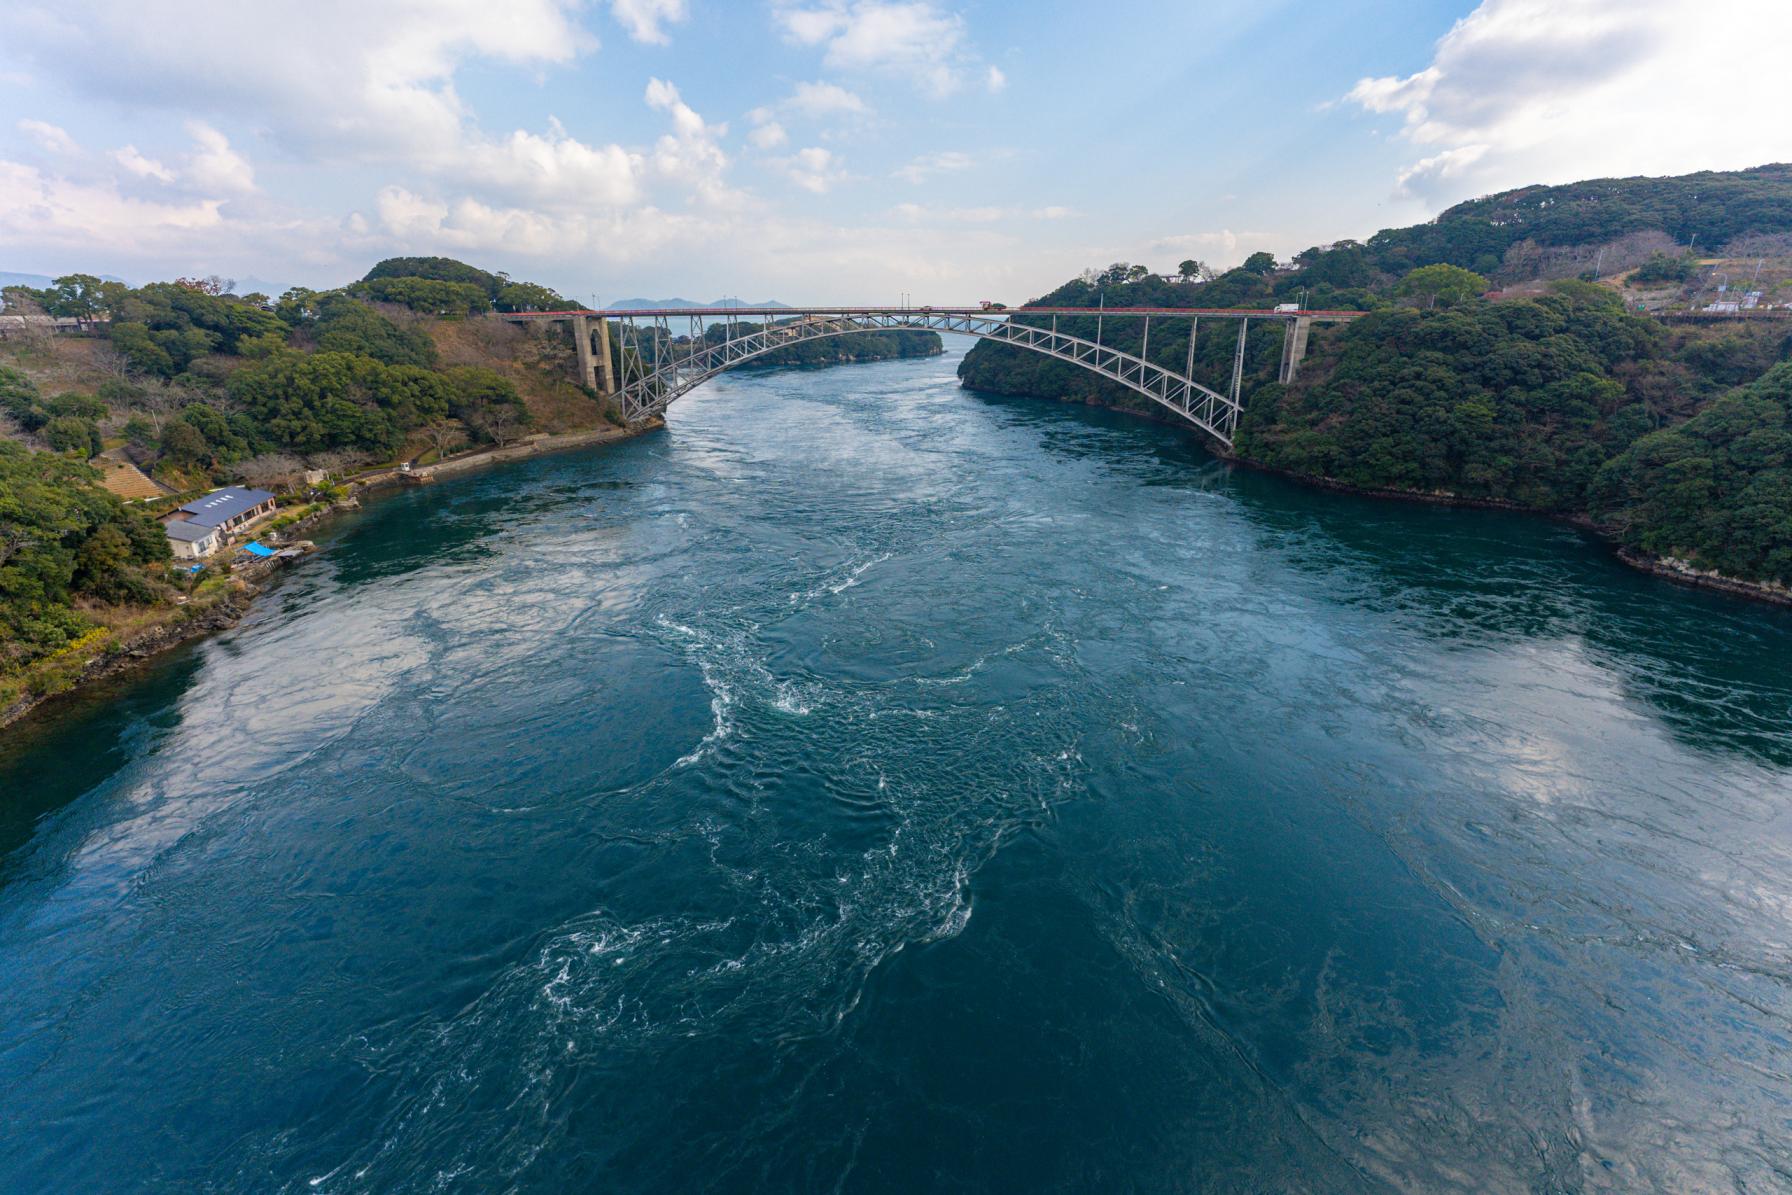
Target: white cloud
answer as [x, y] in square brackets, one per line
[1439, 168]
[994, 80]
[822, 99]
[135, 163]
[915, 213]
[365, 100]
[41, 209]
[214, 166]
[50, 137]
[769, 135]
[643, 18]
[814, 169]
[552, 171]
[664, 97]
[331, 79]
[812, 102]
[691, 155]
[910, 39]
[927, 165]
[1523, 91]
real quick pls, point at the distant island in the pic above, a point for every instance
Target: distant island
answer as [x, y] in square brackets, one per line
[1615, 352]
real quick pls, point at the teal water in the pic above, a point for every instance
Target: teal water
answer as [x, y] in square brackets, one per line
[865, 785]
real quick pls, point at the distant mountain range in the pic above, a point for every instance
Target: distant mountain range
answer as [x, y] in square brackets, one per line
[668, 304]
[39, 281]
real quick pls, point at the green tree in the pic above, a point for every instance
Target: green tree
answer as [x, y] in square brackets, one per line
[74, 296]
[440, 269]
[1440, 282]
[51, 507]
[426, 295]
[163, 327]
[346, 325]
[71, 433]
[184, 445]
[1660, 269]
[329, 400]
[1259, 263]
[526, 296]
[487, 403]
[140, 432]
[82, 406]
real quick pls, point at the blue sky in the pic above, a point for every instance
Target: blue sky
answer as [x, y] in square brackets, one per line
[830, 150]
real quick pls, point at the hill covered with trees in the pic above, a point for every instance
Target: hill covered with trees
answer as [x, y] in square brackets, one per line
[1557, 396]
[199, 386]
[1711, 209]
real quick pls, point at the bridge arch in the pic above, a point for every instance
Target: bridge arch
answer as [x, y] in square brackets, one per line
[650, 385]
[656, 369]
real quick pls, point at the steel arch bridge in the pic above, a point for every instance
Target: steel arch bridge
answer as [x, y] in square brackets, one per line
[657, 366]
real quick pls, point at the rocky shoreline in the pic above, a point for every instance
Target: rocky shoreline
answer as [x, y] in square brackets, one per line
[186, 624]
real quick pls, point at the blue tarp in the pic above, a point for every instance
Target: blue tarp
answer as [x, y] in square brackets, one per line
[255, 549]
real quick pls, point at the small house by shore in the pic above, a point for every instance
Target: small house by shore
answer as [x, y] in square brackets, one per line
[190, 541]
[203, 525]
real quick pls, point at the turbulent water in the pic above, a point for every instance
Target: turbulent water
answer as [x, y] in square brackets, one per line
[866, 785]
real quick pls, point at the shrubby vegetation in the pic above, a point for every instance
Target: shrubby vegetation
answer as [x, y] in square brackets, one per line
[1716, 489]
[1708, 208]
[215, 387]
[1661, 269]
[64, 540]
[1518, 401]
[1678, 441]
[213, 379]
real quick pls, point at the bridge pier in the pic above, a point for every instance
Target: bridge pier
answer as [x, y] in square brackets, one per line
[606, 370]
[595, 368]
[1294, 347]
[581, 341]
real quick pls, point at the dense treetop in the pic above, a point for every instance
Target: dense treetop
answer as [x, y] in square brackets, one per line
[62, 538]
[1716, 489]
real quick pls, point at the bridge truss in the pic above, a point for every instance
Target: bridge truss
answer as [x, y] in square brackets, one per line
[665, 354]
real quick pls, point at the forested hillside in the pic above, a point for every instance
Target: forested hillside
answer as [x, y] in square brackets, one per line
[197, 386]
[1555, 396]
[1710, 209]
